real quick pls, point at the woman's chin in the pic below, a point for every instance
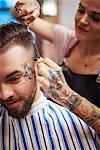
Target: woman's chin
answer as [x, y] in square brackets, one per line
[81, 37]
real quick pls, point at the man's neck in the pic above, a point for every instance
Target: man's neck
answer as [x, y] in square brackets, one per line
[37, 94]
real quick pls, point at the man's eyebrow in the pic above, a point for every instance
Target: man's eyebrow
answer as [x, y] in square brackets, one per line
[13, 73]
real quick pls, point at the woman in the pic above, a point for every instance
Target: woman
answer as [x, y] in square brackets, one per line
[79, 51]
[81, 66]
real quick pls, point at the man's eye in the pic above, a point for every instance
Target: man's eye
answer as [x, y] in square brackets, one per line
[14, 80]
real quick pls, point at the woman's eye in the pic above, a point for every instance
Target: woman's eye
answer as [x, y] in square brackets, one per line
[96, 18]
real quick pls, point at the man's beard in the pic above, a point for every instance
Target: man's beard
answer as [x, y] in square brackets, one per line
[27, 103]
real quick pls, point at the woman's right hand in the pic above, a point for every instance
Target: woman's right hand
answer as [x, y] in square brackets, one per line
[25, 11]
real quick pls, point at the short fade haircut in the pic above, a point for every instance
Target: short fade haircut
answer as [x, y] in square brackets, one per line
[15, 34]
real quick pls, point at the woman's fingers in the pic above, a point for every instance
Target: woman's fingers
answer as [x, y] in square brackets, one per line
[29, 18]
[14, 10]
[50, 63]
[43, 82]
[43, 70]
[26, 10]
[49, 73]
[19, 4]
[51, 70]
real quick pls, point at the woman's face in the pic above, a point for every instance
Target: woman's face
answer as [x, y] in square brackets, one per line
[87, 20]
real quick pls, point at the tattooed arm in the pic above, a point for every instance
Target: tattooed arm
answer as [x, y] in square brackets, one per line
[51, 78]
[85, 110]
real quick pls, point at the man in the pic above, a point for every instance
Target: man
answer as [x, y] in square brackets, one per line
[27, 120]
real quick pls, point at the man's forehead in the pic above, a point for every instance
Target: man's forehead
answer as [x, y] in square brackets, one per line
[15, 53]
[13, 60]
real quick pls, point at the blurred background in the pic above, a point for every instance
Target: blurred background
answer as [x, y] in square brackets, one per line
[57, 11]
[5, 15]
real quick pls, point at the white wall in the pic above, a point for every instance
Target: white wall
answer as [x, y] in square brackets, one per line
[67, 10]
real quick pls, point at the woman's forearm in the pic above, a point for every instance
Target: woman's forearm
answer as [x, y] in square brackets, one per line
[43, 28]
[85, 110]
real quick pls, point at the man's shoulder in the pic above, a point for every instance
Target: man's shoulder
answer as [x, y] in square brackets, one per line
[68, 120]
[60, 110]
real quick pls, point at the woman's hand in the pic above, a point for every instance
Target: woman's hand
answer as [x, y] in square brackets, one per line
[25, 11]
[51, 79]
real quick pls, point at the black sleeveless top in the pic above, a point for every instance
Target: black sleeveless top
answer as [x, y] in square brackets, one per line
[85, 85]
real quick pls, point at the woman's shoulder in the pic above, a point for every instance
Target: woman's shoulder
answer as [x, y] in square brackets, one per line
[63, 40]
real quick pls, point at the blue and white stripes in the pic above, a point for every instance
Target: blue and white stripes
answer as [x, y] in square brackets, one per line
[48, 126]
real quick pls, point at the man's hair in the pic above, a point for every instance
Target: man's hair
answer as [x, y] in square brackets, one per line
[15, 34]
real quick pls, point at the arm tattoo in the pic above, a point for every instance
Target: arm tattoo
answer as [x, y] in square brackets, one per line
[53, 93]
[86, 111]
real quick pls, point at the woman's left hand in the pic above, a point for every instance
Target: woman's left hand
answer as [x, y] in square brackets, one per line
[51, 79]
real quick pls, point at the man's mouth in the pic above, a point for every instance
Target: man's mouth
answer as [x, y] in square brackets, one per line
[12, 103]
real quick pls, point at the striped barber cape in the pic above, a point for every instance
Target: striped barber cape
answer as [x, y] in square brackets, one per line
[47, 126]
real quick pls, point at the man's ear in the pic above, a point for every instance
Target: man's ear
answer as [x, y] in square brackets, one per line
[36, 68]
[35, 63]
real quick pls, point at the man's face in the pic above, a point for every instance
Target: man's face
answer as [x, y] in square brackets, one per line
[17, 81]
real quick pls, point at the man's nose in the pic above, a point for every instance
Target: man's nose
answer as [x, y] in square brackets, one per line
[84, 19]
[6, 91]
